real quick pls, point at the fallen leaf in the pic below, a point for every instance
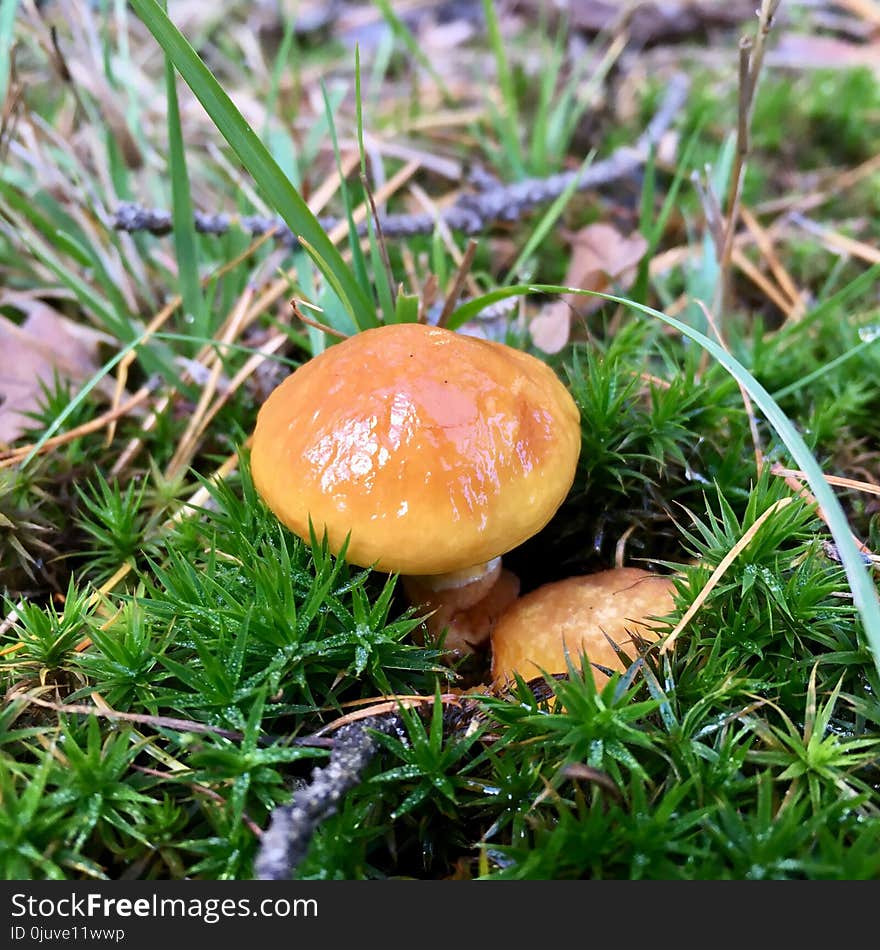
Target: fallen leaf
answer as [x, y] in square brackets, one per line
[45, 344]
[602, 258]
[669, 20]
[810, 51]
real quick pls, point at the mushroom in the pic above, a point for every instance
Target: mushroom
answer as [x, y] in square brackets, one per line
[429, 454]
[573, 616]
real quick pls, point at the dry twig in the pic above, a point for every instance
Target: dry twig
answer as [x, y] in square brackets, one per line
[286, 841]
[751, 60]
[471, 214]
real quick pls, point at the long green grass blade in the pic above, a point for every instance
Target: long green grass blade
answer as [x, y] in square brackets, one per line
[223, 346]
[576, 98]
[403, 33]
[287, 45]
[358, 263]
[510, 119]
[384, 290]
[538, 149]
[254, 156]
[185, 240]
[652, 229]
[332, 289]
[154, 358]
[825, 368]
[8, 9]
[62, 236]
[548, 219]
[839, 301]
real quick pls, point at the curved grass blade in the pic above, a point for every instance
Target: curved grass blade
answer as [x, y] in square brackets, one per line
[861, 584]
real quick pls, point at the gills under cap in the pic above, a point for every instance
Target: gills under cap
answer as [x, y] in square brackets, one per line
[436, 451]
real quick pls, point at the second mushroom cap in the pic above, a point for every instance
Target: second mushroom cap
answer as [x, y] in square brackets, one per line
[554, 624]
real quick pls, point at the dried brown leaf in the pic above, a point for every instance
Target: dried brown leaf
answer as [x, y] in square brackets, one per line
[601, 258]
[45, 344]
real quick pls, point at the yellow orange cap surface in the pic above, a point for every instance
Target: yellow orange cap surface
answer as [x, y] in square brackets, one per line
[437, 451]
[574, 615]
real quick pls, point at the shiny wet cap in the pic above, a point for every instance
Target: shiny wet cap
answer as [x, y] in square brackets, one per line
[436, 451]
[556, 623]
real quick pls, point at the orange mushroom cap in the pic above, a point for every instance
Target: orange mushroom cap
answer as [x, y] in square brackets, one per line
[572, 616]
[436, 451]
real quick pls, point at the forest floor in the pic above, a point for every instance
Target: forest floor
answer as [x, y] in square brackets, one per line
[175, 664]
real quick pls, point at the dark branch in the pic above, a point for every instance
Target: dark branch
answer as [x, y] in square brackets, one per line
[285, 842]
[471, 214]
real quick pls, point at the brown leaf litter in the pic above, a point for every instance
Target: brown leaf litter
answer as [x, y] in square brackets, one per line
[602, 259]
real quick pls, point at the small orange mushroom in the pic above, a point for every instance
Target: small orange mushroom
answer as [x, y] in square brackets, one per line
[436, 452]
[573, 616]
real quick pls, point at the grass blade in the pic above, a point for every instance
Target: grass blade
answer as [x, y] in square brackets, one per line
[403, 33]
[652, 229]
[358, 263]
[548, 219]
[8, 9]
[838, 302]
[384, 290]
[184, 229]
[510, 120]
[254, 156]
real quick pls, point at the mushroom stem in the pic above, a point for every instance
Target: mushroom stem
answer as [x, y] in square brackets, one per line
[466, 603]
